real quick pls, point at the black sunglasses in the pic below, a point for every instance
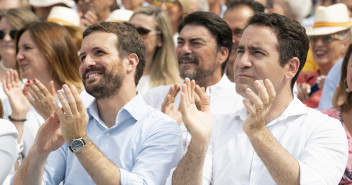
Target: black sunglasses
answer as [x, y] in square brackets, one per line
[12, 34]
[142, 31]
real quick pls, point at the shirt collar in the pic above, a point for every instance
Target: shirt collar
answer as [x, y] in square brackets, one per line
[135, 108]
[223, 83]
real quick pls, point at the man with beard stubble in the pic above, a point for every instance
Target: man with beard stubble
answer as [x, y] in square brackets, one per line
[203, 48]
[118, 139]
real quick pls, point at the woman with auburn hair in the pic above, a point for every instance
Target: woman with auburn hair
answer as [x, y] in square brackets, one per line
[47, 57]
[161, 68]
[342, 102]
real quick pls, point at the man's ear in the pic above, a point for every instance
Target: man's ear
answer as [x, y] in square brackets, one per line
[132, 62]
[223, 53]
[292, 68]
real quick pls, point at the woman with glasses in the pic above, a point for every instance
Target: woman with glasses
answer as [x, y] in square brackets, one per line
[342, 102]
[11, 21]
[328, 38]
[161, 66]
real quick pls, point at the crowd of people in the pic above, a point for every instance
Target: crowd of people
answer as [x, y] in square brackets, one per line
[175, 92]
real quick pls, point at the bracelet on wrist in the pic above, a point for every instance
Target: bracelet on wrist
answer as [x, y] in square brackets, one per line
[16, 120]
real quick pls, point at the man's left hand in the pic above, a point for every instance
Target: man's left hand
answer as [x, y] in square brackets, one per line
[258, 106]
[73, 115]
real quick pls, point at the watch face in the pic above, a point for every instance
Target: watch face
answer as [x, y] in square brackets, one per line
[77, 145]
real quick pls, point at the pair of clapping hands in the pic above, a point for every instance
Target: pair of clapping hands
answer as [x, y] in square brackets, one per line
[194, 109]
[34, 93]
[70, 120]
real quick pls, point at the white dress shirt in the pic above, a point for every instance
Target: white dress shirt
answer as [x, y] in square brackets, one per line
[223, 100]
[317, 141]
[223, 97]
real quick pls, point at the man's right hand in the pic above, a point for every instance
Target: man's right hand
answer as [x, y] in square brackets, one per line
[49, 137]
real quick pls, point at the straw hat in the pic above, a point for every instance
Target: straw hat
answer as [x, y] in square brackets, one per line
[46, 3]
[330, 20]
[64, 16]
[120, 15]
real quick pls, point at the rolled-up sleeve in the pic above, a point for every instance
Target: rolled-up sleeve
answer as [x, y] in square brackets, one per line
[326, 148]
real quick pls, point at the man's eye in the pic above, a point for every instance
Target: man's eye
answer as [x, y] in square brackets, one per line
[240, 51]
[82, 58]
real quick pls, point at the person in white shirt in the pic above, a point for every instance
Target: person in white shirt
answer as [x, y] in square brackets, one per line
[203, 48]
[274, 139]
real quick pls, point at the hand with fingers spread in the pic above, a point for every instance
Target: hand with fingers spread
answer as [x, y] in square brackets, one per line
[12, 88]
[73, 115]
[168, 105]
[198, 122]
[258, 105]
[40, 97]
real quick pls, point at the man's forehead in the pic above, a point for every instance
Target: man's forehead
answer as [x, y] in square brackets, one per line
[193, 31]
[258, 36]
[99, 39]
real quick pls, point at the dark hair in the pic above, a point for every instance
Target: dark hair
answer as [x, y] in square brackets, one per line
[128, 41]
[254, 5]
[216, 25]
[341, 97]
[291, 36]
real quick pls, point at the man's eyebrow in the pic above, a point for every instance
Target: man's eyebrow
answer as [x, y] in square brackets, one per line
[196, 39]
[258, 47]
[81, 54]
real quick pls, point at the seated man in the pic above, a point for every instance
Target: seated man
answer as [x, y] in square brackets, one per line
[274, 139]
[118, 139]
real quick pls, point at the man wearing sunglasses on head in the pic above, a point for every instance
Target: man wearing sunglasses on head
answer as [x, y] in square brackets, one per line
[329, 38]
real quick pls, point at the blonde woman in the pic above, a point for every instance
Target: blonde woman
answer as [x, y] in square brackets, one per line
[161, 68]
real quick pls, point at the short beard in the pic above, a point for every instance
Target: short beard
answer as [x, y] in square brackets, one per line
[108, 85]
[197, 73]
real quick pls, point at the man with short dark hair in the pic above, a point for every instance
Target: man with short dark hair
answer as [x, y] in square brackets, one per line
[274, 139]
[203, 48]
[118, 139]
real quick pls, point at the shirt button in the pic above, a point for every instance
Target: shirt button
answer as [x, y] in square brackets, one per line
[107, 134]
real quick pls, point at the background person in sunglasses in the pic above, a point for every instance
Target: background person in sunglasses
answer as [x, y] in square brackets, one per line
[11, 21]
[329, 38]
[161, 68]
